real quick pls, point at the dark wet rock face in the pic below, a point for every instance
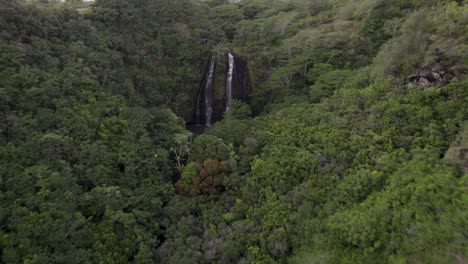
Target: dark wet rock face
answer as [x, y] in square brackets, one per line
[241, 80]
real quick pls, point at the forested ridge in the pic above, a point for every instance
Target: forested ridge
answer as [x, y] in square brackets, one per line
[351, 147]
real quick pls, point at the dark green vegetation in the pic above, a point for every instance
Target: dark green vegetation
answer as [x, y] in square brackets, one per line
[343, 163]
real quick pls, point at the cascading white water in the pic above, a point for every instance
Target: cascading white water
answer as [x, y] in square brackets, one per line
[203, 104]
[229, 81]
[197, 107]
[208, 92]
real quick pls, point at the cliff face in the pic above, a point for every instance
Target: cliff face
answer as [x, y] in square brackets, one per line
[241, 84]
[226, 79]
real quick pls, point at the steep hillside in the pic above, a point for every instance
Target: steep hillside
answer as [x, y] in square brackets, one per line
[350, 148]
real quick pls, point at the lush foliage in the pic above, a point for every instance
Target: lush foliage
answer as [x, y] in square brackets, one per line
[335, 159]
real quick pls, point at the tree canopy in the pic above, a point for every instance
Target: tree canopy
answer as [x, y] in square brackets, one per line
[352, 148]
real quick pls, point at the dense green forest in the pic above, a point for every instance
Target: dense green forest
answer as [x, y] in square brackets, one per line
[353, 146]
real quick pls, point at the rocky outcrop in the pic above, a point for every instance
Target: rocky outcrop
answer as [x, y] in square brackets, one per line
[433, 75]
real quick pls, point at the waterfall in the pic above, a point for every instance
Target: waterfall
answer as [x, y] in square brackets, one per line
[209, 93]
[218, 88]
[230, 75]
[204, 102]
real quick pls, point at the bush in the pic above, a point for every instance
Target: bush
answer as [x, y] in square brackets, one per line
[327, 83]
[188, 172]
[209, 147]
